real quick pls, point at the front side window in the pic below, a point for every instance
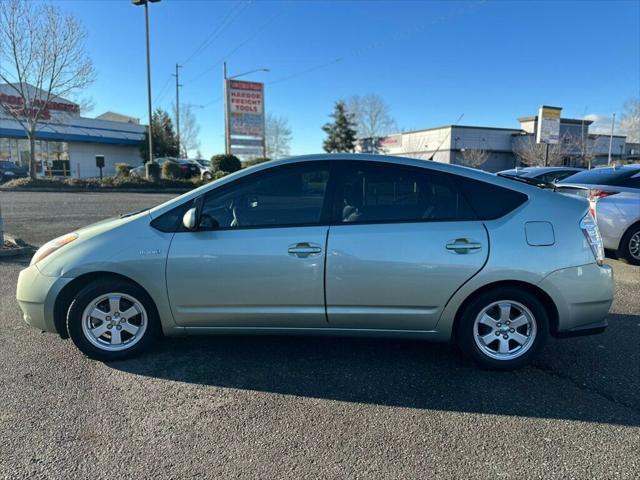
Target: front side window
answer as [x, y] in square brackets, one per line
[380, 193]
[286, 196]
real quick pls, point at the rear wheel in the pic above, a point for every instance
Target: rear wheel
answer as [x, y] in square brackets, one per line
[112, 320]
[630, 245]
[207, 176]
[503, 329]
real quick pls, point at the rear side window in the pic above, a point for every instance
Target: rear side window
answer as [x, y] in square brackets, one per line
[489, 201]
[383, 193]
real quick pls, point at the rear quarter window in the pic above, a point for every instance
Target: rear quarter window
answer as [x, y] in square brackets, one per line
[487, 200]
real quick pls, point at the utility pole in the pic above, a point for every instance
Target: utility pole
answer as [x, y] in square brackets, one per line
[177, 75]
[146, 24]
[613, 122]
[226, 119]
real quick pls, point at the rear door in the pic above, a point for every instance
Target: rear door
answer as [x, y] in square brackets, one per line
[404, 242]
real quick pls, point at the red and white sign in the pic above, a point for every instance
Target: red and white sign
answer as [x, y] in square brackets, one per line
[245, 97]
[16, 104]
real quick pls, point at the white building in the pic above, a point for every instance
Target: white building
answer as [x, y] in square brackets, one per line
[66, 142]
[498, 147]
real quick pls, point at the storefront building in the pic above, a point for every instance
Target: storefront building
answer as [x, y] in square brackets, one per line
[66, 142]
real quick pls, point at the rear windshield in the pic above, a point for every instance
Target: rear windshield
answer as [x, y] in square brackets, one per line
[603, 176]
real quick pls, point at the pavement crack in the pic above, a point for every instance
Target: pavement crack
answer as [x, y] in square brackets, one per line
[584, 387]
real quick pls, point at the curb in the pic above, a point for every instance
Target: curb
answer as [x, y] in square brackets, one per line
[23, 248]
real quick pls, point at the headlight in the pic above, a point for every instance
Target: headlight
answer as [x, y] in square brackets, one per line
[50, 247]
[591, 232]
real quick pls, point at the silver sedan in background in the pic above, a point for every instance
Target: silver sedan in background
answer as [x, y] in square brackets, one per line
[614, 198]
[332, 245]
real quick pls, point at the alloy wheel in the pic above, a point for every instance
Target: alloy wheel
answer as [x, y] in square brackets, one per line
[504, 330]
[114, 321]
[634, 245]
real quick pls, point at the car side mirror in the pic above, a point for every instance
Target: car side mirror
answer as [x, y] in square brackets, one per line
[190, 219]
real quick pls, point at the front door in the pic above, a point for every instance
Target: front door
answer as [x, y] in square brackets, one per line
[257, 259]
[405, 241]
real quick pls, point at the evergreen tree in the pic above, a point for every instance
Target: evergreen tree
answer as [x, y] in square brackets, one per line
[165, 140]
[341, 134]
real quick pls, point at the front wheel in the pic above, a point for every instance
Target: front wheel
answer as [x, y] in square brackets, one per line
[630, 246]
[112, 320]
[503, 329]
[207, 177]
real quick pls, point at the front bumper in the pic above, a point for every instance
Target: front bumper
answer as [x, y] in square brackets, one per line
[583, 296]
[36, 295]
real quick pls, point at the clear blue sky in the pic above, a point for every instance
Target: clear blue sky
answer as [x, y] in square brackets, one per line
[430, 61]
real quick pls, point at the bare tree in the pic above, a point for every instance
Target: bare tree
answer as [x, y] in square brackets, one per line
[278, 136]
[630, 120]
[372, 116]
[474, 157]
[42, 59]
[189, 129]
[533, 154]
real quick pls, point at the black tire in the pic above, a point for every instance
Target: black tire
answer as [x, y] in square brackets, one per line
[100, 288]
[625, 245]
[465, 327]
[207, 177]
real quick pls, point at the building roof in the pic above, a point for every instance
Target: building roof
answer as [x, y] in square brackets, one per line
[571, 121]
[117, 117]
[79, 129]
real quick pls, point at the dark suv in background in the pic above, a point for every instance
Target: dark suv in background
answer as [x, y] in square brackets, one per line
[9, 171]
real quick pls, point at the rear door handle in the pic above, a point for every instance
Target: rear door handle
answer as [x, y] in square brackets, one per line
[304, 249]
[463, 245]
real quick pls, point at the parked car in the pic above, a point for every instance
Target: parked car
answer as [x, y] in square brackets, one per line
[545, 174]
[138, 171]
[614, 198]
[332, 244]
[188, 168]
[10, 170]
[206, 170]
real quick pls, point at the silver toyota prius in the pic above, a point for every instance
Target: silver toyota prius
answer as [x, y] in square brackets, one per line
[332, 244]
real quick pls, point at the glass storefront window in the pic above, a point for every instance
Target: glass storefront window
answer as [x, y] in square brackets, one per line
[52, 158]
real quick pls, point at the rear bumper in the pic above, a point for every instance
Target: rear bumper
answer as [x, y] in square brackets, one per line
[583, 296]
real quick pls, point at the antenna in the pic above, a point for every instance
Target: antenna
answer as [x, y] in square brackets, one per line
[445, 138]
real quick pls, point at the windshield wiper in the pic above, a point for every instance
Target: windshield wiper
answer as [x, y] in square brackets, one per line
[528, 181]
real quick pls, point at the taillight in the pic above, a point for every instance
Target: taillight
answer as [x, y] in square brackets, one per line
[591, 233]
[594, 196]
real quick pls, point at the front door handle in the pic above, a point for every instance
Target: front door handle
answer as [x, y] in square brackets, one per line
[304, 249]
[463, 245]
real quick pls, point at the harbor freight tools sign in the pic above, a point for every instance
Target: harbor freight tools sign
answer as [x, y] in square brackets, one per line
[548, 128]
[245, 114]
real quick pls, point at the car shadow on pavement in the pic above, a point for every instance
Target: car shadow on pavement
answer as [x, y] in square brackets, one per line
[593, 379]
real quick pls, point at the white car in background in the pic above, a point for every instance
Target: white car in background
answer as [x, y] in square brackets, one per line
[614, 201]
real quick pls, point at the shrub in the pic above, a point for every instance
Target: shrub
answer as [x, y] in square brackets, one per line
[171, 170]
[226, 163]
[219, 174]
[122, 170]
[256, 161]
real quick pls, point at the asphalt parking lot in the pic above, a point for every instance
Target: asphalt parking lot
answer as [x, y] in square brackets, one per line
[274, 407]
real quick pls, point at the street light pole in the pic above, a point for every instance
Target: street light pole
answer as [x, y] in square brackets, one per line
[613, 122]
[177, 75]
[145, 3]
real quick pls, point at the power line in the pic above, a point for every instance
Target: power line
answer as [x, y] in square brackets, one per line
[226, 21]
[360, 51]
[163, 90]
[234, 49]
